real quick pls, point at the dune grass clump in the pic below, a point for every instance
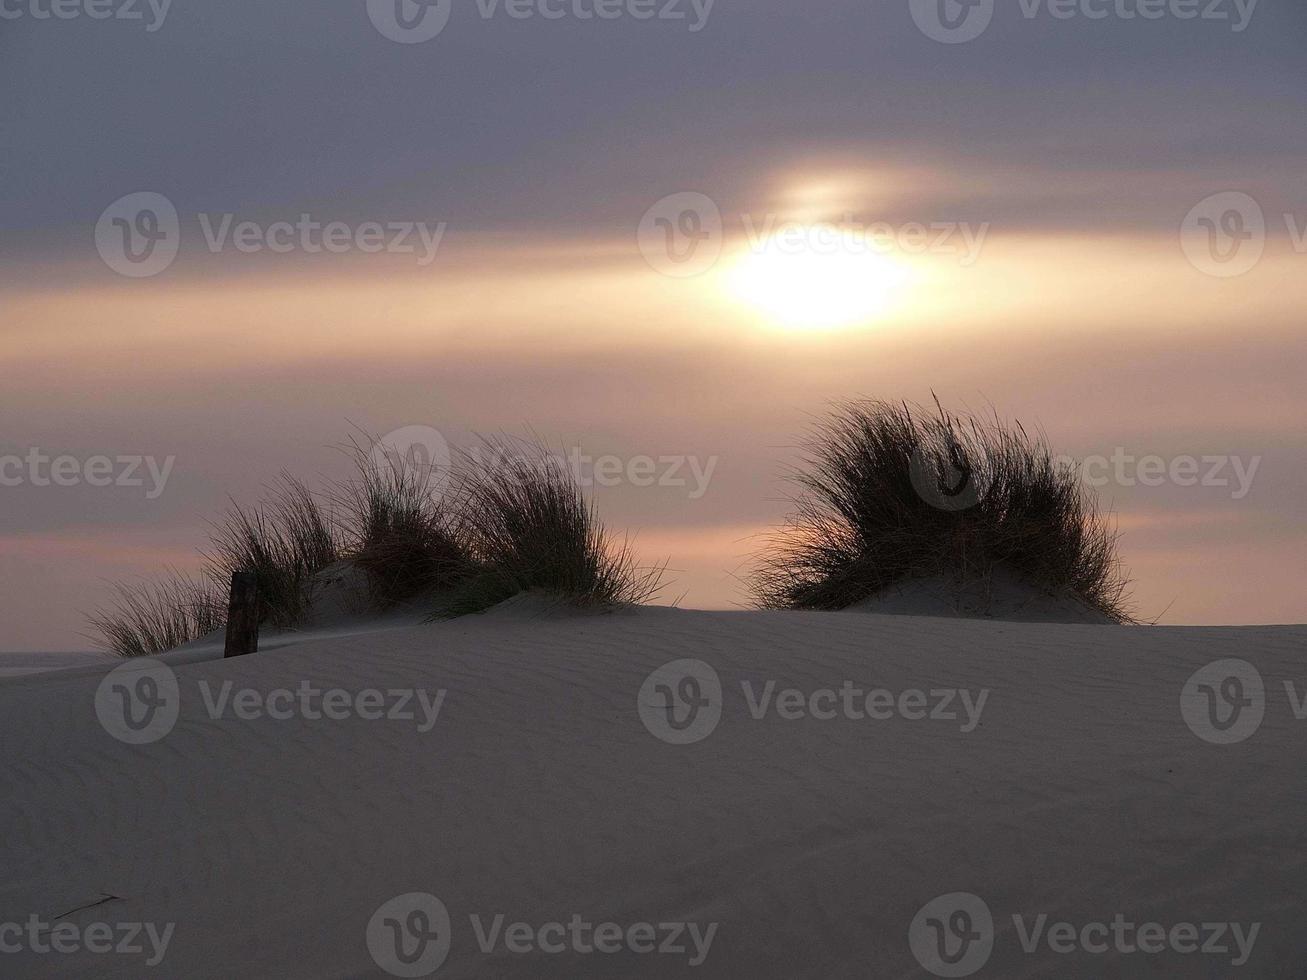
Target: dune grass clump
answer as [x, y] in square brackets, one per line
[152, 618]
[532, 529]
[511, 526]
[404, 536]
[285, 540]
[891, 492]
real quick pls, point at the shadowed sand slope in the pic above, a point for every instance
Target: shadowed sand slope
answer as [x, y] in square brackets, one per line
[1060, 778]
[1000, 596]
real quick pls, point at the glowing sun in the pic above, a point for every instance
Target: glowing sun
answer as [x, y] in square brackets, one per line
[816, 276]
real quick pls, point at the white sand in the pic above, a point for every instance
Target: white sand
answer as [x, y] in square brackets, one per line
[539, 793]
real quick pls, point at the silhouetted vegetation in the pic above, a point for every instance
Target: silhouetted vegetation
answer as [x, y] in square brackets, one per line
[891, 492]
[286, 540]
[154, 617]
[519, 525]
[403, 533]
[532, 530]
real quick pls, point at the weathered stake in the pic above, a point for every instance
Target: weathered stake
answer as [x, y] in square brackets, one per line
[243, 615]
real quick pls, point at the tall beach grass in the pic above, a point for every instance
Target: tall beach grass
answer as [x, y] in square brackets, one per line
[889, 492]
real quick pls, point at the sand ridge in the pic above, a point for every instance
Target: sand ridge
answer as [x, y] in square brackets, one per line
[541, 794]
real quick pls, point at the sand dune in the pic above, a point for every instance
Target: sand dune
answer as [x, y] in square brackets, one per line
[17, 664]
[785, 838]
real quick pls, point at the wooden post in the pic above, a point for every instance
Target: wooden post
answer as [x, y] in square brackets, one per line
[243, 615]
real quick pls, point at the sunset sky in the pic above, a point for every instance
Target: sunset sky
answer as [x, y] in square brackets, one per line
[1014, 222]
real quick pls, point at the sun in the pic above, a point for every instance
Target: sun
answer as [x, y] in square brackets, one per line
[815, 277]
